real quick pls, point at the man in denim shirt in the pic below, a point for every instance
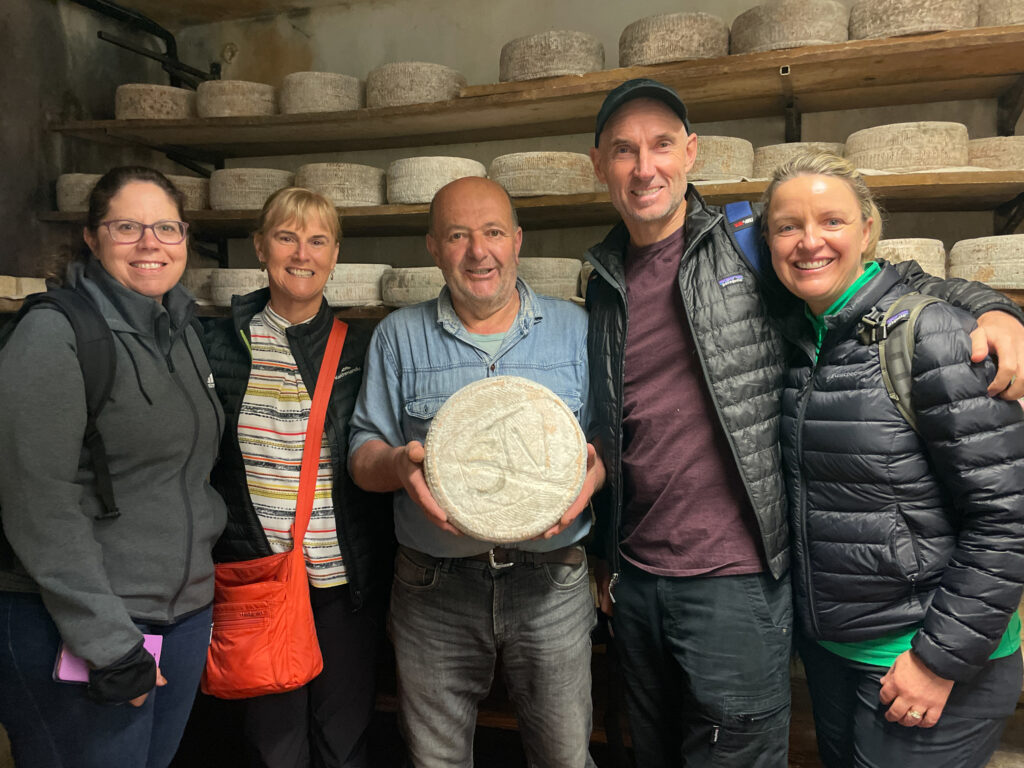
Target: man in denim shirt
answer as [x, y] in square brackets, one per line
[458, 601]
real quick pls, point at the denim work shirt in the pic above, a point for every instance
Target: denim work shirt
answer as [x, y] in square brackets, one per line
[421, 355]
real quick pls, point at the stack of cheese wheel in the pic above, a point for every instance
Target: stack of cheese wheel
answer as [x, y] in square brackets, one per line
[1005, 153]
[355, 285]
[722, 157]
[523, 174]
[998, 261]
[234, 98]
[197, 281]
[416, 179]
[303, 92]
[907, 147]
[548, 54]
[771, 156]
[195, 189]
[410, 285]
[412, 82]
[143, 101]
[225, 283]
[585, 271]
[789, 24]
[245, 189]
[673, 37]
[20, 287]
[1000, 13]
[551, 277]
[930, 254]
[344, 184]
[891, 18]
[73, 190]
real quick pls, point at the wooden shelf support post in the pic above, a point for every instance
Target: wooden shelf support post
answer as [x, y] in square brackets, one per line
[1010, 106]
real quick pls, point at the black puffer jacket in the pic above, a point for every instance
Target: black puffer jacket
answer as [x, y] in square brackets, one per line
[741, 353]
[891, 528]
[364, 520]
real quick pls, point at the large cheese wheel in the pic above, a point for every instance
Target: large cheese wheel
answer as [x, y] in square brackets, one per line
[144, 101]
[245, 189]
[20, 287]
[904, 147]
[585, 272]
[930, 254]
[197, 281]
[892, 18]
[722, 157]
[789, 24]
[999, 152]
[551, 277]
[195, 189]
[73, 190]
[673, 37]
[412, 82]
[234, 98]
[319, 92]
[1000, 13]
[225, 283]
[344, 184]
[405, 286]
[417, 179]
[998, 261]
[523, 174]
[355, 285]
[504, 457]
[547, 54]
[771, 156]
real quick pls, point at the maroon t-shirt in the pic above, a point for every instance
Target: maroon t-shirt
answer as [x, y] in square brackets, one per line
[686, 513]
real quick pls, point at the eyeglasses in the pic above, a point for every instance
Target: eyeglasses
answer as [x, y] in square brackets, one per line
[168, 231]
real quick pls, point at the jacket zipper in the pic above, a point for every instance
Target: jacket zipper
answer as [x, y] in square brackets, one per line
[183, 482]
[805, 575]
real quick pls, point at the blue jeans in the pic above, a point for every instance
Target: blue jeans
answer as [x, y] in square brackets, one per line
[56, 725]
[450, 618]
[706, 666]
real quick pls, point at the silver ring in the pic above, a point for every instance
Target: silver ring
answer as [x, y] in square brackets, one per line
[915, 715]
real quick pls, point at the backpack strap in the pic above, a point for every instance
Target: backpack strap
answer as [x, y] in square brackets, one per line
[893, 331]
[742, 224]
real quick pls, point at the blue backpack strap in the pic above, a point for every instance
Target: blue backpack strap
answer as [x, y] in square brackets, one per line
[742, 224]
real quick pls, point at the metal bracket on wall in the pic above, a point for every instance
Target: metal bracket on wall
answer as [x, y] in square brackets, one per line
[175, 69]
[189, 162]
[791, 112]
[1010, 106]
[1008, 216]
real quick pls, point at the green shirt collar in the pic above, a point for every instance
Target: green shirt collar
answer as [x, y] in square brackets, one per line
[818, 322]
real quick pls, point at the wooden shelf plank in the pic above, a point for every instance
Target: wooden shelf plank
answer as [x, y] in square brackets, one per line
[973, 63]
[931, 191]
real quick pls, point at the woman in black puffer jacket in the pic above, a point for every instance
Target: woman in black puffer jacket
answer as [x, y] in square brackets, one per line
[908, 545]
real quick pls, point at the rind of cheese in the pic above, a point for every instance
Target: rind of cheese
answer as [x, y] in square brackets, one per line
[402, 287]
[146, 101]
[929, 253]
[673, 37]
[524, 174]
[789, 24]
[417, 179]
[722, 157]
[195, 189]
[234, 98]
[997, 261]
[871, 19]
[304, 92]
[771, 156]
[1004, 153]
[549, 54]
[73, 190]
[245, 189]
[344, 184]
[1000, 13]
[412, 82]
[905, 147]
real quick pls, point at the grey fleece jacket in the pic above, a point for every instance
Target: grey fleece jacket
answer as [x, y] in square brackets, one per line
[161, 428]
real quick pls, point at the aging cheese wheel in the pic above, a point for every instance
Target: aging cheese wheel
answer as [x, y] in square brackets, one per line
[20, 287]
[319, 92]
[892, 18]
[143, 101]
[195, 189]
[344, 184]
[225, 283]
[417, 179]
[524, 174]
[197, 281]
[412, 82]
[234, 98]
[1000, 13]
[245, 189]
[930, 254]
[355, 285]
[904, 147]
[585, 271]
[73, 190]
[1005, 153]
[673, 37]
[405, 286]
[505, 458]
[771, 156]
[998, 261]
[551, 277]
[722, 157]
[789, 24]
[547, 54]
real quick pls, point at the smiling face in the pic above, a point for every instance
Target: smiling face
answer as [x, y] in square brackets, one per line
[644, 156]
[817, 236]
[475, 242]
[148, 266]
[299, 258]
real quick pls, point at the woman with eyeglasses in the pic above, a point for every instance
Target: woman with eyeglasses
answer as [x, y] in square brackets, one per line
[103, 582]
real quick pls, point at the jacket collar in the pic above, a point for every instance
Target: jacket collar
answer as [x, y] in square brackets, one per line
[243, 307]
[529, 310]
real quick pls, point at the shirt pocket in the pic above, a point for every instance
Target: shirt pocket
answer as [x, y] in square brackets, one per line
[418, 414]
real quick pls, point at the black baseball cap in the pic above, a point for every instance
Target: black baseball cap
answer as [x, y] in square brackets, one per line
[639, 88]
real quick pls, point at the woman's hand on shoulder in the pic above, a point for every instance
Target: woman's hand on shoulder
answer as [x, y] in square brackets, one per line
[1001, 335]
[916, 696]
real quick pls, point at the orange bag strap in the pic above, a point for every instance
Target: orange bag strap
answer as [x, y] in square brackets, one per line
[314, 433]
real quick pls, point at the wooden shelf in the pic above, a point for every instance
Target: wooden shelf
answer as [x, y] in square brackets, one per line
[966, 64]
[931, 191]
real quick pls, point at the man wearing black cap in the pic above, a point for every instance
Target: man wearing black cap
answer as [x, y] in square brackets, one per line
[685, 375]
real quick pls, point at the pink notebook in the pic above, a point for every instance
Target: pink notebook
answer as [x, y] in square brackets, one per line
[73, 669]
